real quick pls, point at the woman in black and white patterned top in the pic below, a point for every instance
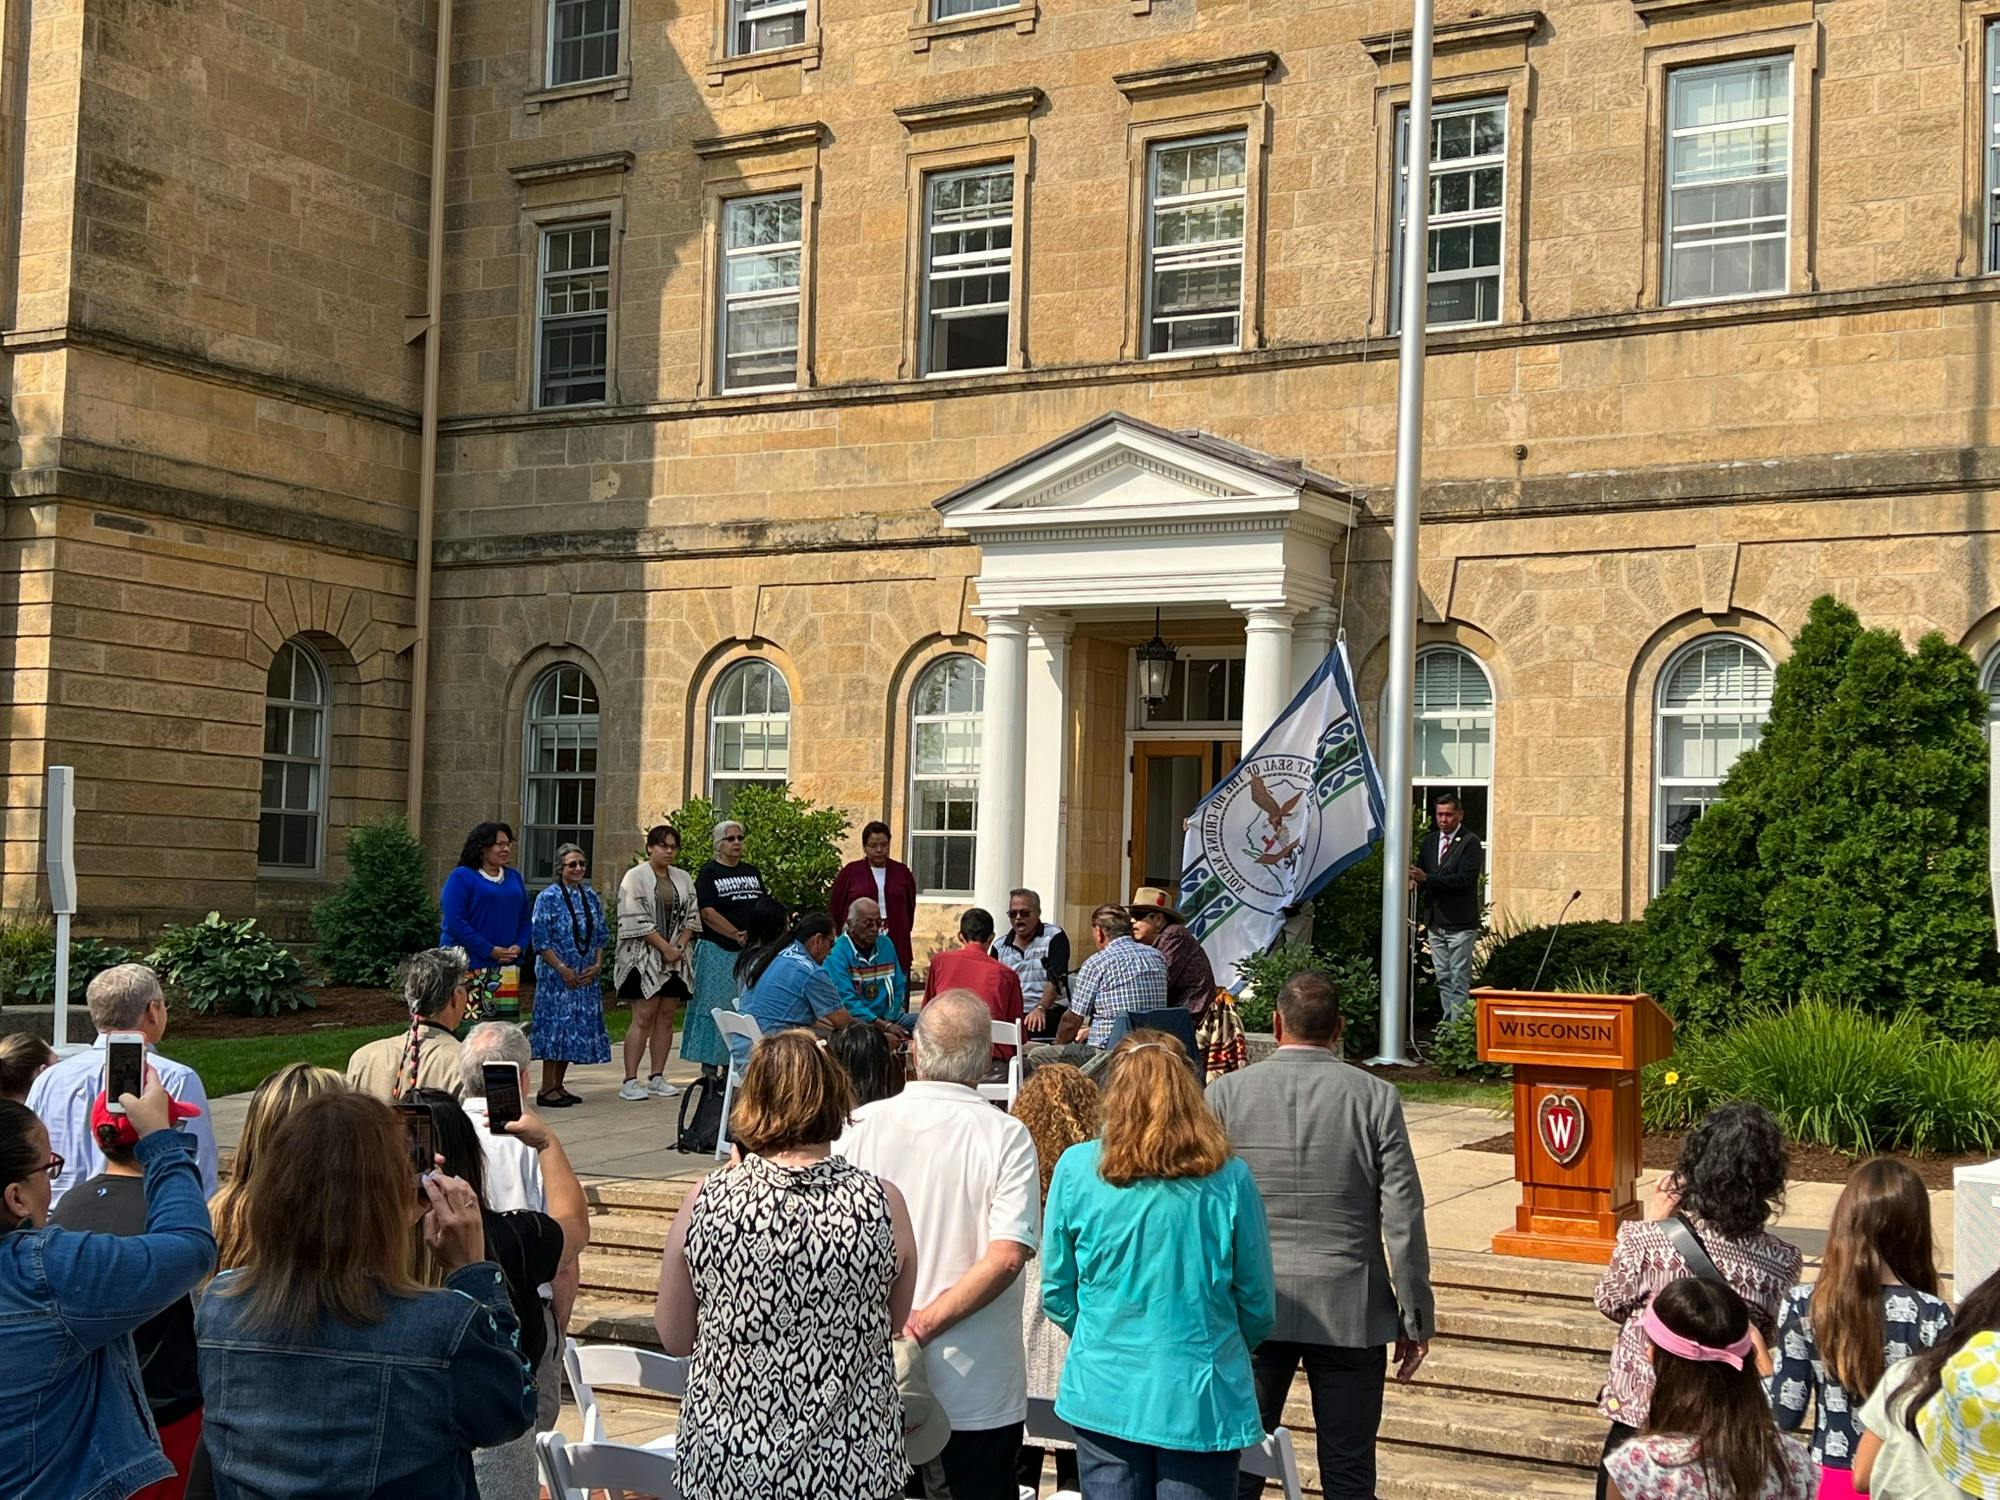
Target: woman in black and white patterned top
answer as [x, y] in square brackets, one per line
[785, 1277]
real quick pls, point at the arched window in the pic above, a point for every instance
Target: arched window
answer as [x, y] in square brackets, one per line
[749, 731]
[559, 769]
[291, 820]
[947, 710]
[1714, 698]
[1989, 683]
[1452, 737]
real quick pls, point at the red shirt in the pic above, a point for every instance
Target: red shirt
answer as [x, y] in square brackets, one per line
[979, 971]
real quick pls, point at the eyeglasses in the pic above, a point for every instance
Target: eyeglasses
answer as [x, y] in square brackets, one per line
[572, 864]
[55, 1166]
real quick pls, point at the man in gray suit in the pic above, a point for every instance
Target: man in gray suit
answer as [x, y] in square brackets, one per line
[1331, 1156]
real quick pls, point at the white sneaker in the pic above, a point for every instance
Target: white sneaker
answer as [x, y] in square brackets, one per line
[659, 1088]
[634, 1090]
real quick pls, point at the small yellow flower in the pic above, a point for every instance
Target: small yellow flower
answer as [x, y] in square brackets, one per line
[1672, 1078]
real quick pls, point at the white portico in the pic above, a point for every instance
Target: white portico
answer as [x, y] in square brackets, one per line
[1092, 533]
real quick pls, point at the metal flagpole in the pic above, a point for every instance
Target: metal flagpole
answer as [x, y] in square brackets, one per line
[1399, 704]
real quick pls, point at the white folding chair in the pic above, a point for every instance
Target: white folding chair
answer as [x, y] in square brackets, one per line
[732, 1023]
[1274, 1458]
[572, 1471]
[591, 1365]
[1006, 1034]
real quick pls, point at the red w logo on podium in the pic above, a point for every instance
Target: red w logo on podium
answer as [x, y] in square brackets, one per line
[1560, 1121]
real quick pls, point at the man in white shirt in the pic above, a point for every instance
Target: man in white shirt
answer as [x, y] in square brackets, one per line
[968, 1174]
[513, 1171]
[125, 998]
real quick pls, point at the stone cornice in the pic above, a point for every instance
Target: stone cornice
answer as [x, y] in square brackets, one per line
[1181, 78]
[573, 166]
[759, 142]
[976, 107]
[1661, 10]
[1514, 29]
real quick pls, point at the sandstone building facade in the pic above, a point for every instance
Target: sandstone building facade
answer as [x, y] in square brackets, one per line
[833, 391]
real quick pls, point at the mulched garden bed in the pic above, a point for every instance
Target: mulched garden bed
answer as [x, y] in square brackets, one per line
[1808, 1163]
[333, 1005]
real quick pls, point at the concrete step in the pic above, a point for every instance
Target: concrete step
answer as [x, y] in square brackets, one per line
[629, 1231]
[620, 1275]
[1549, 1279]
[1482, 1426]
[636, 1195]
[1559, 1377]
[1505, 1318]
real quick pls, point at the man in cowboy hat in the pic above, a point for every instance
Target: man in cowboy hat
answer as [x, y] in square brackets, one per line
[1190, 981]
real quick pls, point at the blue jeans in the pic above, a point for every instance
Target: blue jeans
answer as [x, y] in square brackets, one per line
[1113, 1469]
[1451, 956]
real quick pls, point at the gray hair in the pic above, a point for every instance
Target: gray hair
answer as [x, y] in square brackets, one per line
[854, 912]
[1113, 921]
[431, 978]
[119, 996]
[1026, 895]
[722, 831]
[490, 1041]
[954, 1038]
[563, 851]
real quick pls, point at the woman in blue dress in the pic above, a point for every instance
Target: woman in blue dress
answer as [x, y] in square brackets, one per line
[484, 909]
[568, 1025]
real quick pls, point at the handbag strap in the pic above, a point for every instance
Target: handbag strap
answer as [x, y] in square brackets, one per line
[1687, 1244]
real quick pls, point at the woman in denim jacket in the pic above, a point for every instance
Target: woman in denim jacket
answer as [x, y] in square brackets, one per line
[70, 1399]
[327, 1369]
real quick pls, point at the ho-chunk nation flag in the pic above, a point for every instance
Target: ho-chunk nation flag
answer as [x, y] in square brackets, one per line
[1302, 806]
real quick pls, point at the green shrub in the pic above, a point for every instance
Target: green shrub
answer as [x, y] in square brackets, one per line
[793, 844]
[1353, 978]
[213, 965]
[1455, 1048]
[25, 942]
[1847, 855]
[1611, 949]
[382, 912]
[88, 957]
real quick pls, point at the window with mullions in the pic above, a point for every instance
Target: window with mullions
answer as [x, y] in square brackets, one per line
[583, 41]
[761, 245]
[761, 25]
[1452, 733]
[946, 10]
[947, 715]
[1989, 683]
[1729, 180]
[749, 731]
[292, 808]
[1467, 213]
[559, 791]
[1993, 147]
[1195, 214]
[1713, 700]
[968, 269]
[573, 307]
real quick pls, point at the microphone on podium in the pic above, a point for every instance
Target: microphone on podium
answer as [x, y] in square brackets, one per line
[1574, 897]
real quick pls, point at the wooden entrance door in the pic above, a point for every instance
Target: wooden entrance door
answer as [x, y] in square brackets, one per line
[1168, 778]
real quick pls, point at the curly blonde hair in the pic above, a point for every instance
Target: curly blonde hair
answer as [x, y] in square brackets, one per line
[1061, 1108]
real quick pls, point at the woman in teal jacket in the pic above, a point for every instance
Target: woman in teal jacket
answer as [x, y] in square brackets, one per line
[1157, 1263]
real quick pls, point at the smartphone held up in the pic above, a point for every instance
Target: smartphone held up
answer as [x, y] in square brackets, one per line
[124, 1068]
[503, 1095]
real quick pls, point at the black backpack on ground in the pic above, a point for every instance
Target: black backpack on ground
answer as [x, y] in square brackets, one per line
[701, 1116]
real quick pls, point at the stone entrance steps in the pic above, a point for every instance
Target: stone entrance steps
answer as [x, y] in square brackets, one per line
[1502, 1409]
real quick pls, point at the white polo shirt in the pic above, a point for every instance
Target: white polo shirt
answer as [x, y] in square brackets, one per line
[968, 1173]
[513, 1170]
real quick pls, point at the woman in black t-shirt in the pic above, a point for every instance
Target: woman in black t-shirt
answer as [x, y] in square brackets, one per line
[726, 888]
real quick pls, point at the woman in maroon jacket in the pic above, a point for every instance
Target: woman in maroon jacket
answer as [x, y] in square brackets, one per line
[879, 878]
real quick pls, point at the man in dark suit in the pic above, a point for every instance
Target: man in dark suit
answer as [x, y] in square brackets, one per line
[1331, 1156]
[1447, 873]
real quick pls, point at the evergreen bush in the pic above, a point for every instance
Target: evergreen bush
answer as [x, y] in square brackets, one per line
[1846, 858]
[382, 912]
[1353, 977]
[1612, 949]
[213, 965]
[794, 845]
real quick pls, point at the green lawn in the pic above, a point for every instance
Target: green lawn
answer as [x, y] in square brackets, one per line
[1498, 1097]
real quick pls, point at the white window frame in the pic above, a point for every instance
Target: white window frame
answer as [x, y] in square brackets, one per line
[1675, 79]
[1989, 684]
[544, 319]
[742, 671]
[551, 51]
[968, 8]
[316, 763]
[967, 266]
[975, 717]
[1471, 218]
[728, 302]
[583, 730]
[1991, 155]
[1182, 257]
[747, 14]
[1690, 785]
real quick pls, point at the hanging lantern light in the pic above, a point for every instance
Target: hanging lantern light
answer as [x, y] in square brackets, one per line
[1156, 666]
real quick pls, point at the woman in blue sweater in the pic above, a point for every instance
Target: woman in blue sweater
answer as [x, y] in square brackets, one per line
[486, 912]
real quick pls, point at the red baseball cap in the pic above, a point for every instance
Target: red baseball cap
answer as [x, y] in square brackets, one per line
[116, 1130]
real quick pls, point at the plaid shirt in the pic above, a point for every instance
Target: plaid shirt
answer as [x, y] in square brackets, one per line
[1124, 975]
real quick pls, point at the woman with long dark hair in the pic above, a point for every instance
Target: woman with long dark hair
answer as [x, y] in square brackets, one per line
[484, 909]
[569, 940]
[726, 888]
[864, 1056]
[653, 965]
[785, 985]
[1708, 1433]
[1876, 1301]
[1891, 1459]
[766, 931]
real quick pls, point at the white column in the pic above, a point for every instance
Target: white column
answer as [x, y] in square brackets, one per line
[1312, 638]
[1267, 668]
[1003, 762]
[1044, 835]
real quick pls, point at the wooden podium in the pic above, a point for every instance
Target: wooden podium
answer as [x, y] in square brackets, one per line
[1576, 1061]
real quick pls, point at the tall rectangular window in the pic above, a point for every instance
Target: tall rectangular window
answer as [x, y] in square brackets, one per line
[761, 25]
[968, 269]
[1196, 210]
[583, 41]
[761, 244]
[1468, 174]
[573, 313]
[1993, 147]
[945, 10]
[1729, 179]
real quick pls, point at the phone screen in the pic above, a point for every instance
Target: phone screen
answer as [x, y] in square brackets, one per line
[422, 1141]
[124, 1070]
[503, 1095]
